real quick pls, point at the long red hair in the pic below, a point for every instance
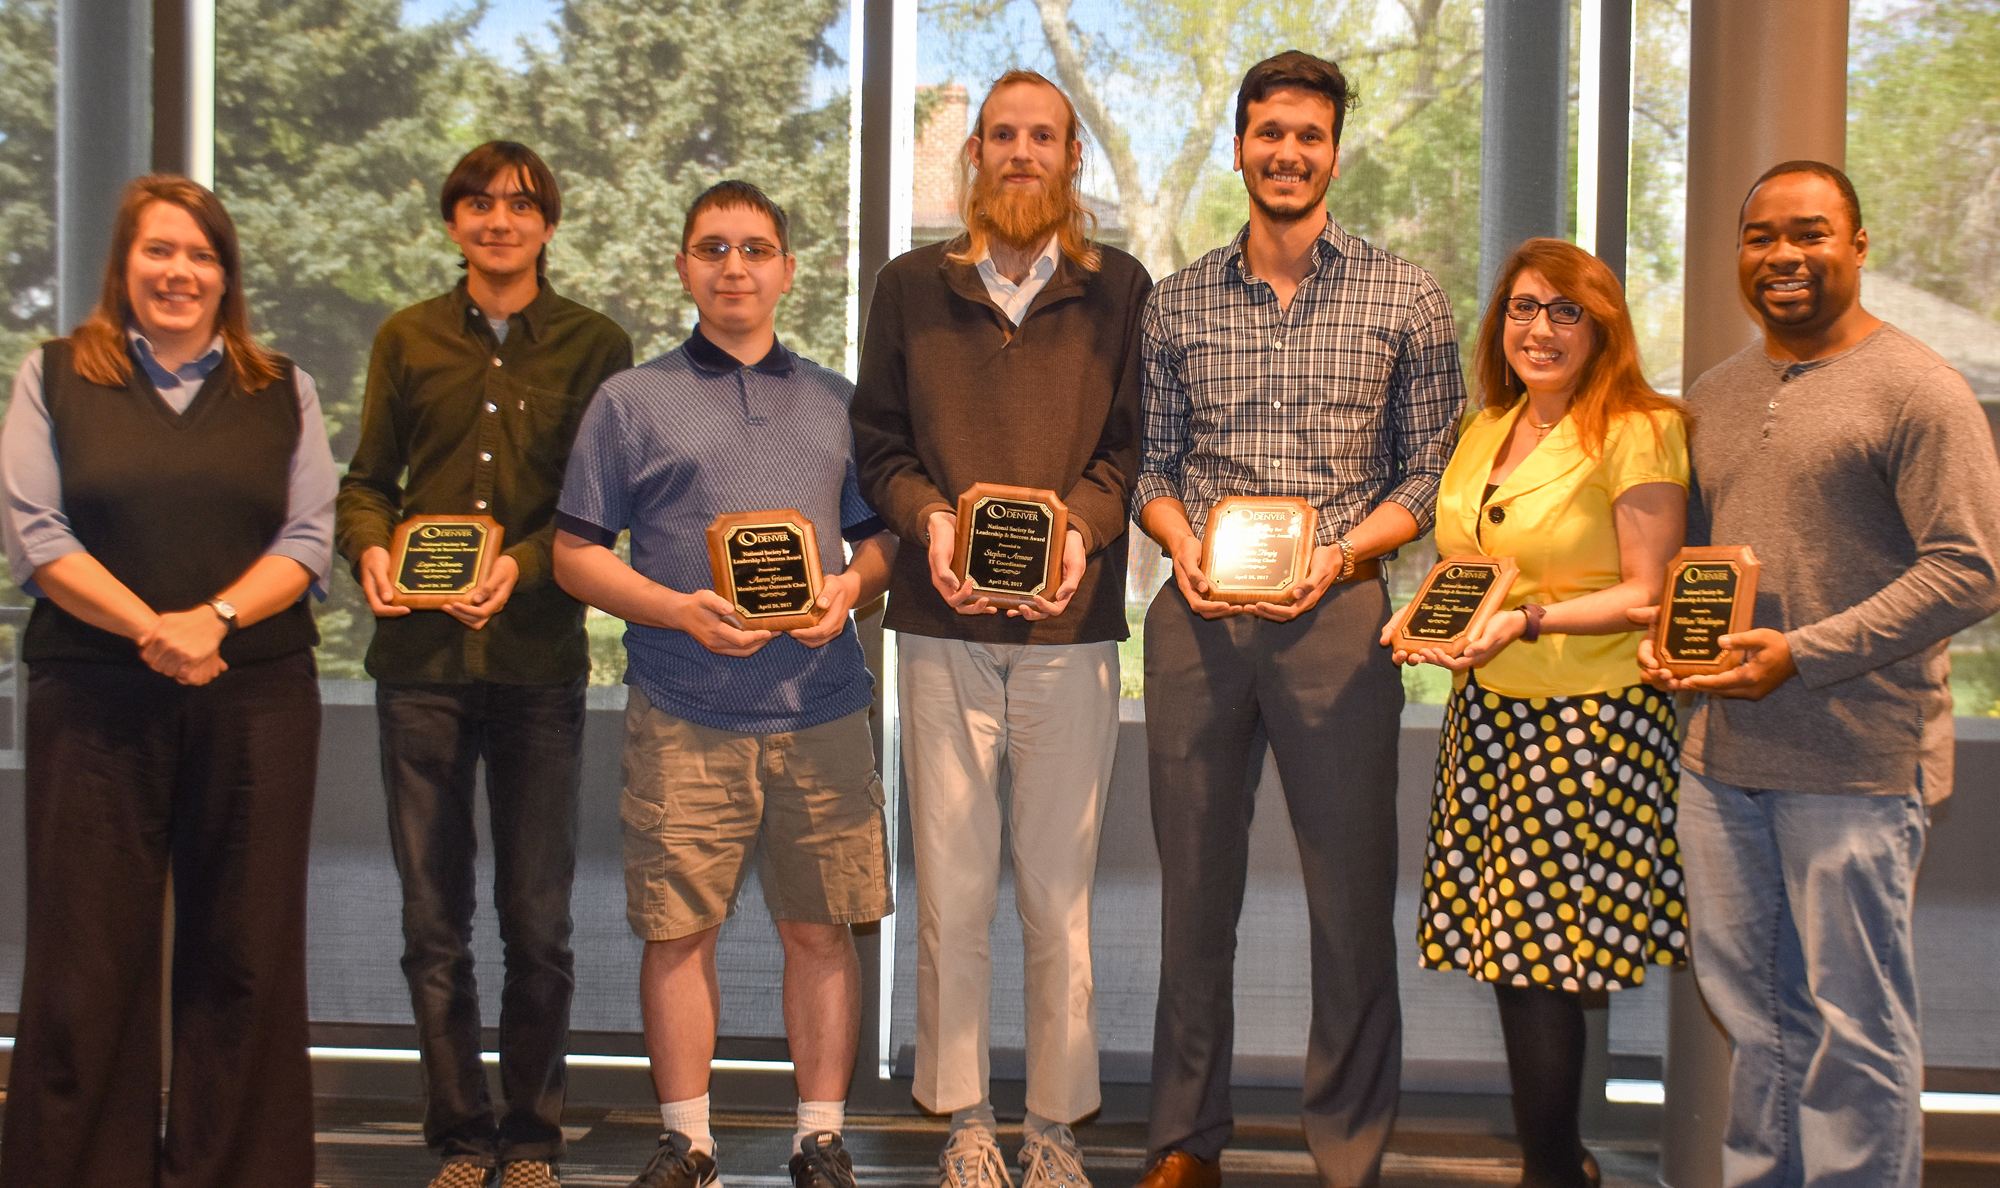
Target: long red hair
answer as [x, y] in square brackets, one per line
[101, 353]
[1613, 382]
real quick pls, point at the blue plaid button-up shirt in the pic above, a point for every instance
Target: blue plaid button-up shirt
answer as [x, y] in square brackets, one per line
[1345, 397]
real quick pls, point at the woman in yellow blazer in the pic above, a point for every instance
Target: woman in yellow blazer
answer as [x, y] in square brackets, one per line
[1551, 867]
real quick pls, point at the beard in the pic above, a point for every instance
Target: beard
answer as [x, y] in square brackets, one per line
[1020, 216]
[1290, 210]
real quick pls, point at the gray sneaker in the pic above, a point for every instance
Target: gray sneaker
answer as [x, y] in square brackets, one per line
[676, 1164]
[1052, 1161]
[972, 1159]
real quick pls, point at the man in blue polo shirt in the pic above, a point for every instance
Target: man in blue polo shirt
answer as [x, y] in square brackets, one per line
[732, 732]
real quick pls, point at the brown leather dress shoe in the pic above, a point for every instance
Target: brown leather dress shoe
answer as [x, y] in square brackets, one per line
[1178, 1169]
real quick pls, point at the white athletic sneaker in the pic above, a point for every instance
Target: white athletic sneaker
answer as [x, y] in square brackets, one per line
[972, 1160]
[1052, 1161]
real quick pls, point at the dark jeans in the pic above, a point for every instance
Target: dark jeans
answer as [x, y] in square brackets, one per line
[131, 775]
[1326, 699]
[531, 739]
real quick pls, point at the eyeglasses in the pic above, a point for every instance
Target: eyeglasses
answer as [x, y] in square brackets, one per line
[1562, 313]
[715, 251]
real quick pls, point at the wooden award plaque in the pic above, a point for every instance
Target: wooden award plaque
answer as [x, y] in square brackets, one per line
[1710, 592]
[1257, 549]
[1010, 543]
[766, 565]
[434, 560]
[1457, 598]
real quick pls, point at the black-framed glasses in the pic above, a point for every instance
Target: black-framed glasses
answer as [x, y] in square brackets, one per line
[1562, 313]
[715, 251]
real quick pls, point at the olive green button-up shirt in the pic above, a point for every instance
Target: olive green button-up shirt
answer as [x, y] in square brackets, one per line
[456, 422]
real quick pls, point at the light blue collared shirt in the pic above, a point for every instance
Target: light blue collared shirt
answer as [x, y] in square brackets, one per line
[37, 529]
[1014, 299]
[179, 387]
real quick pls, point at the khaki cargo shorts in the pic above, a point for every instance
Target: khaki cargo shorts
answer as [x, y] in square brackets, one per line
[696, 800]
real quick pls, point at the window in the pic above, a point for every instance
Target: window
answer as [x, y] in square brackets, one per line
[27, 317]
[336, 123]
[1156, 83]
[1923, 148]
[331, 152]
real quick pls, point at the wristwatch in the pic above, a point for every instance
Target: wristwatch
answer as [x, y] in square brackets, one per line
[224, 611]
[1533, 612]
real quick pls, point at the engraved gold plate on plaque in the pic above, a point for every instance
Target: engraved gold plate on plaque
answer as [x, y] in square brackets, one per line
[434, 560]
[1257, 548]
[1010, 543]
[1710, 592]
[766, 565]
[1457, 598]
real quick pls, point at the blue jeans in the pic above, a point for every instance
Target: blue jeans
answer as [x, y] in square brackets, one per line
[530, 737]
[1801, 904]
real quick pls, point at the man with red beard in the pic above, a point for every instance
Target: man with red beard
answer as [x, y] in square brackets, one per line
[1009, 355]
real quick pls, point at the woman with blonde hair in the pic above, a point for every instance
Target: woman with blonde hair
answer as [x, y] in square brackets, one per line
[169, 500]
[1551, 868]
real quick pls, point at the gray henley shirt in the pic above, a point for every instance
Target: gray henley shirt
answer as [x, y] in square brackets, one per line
[1868, 485]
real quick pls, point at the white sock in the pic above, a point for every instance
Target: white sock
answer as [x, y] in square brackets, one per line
[815, 1116]
[690, 1117]
[980, 1115]
[1036, 1126]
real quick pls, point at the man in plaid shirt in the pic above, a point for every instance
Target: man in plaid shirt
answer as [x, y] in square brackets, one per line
[1295, 361]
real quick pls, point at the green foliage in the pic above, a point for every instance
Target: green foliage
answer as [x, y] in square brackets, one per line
[642, 104]
[1165, 148]
[1923, 147]
[336, 124]
[1657, 195]
[27, 177]
[1409, 178]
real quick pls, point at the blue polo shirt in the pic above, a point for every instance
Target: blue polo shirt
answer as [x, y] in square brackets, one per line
[671, 444]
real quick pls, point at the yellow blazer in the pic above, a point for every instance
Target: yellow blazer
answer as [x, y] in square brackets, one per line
[1556, 523]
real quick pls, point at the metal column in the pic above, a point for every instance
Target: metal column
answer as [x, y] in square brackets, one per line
[1743, 118]
[1524, 188]
[183, 120]
[1604, 127]
[104, 132]
[880, 26]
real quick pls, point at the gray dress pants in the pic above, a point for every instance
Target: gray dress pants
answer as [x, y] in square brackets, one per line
[1328, 701]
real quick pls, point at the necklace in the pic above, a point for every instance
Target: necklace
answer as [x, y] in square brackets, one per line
[1542, 430]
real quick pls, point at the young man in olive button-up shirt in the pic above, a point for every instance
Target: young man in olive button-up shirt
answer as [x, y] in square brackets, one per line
[477, 395]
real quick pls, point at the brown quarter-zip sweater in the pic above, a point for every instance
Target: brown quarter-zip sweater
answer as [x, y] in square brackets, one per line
[456, 423]
[952, 393]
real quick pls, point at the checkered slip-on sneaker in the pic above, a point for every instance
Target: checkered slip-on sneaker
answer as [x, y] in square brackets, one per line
[528, 1173]
[462, 1173]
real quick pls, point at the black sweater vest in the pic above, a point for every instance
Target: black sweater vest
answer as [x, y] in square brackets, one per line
[176, 505]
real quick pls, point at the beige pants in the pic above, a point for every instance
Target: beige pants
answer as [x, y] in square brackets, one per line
[1051, 712]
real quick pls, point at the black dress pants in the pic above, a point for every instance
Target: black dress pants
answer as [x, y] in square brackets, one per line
[1328, 701]
[130, 774]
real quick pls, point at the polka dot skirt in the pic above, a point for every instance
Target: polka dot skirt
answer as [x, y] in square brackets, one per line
[1552, 859]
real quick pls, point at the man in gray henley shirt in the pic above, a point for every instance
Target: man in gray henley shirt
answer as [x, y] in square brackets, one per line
[1860, 468]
